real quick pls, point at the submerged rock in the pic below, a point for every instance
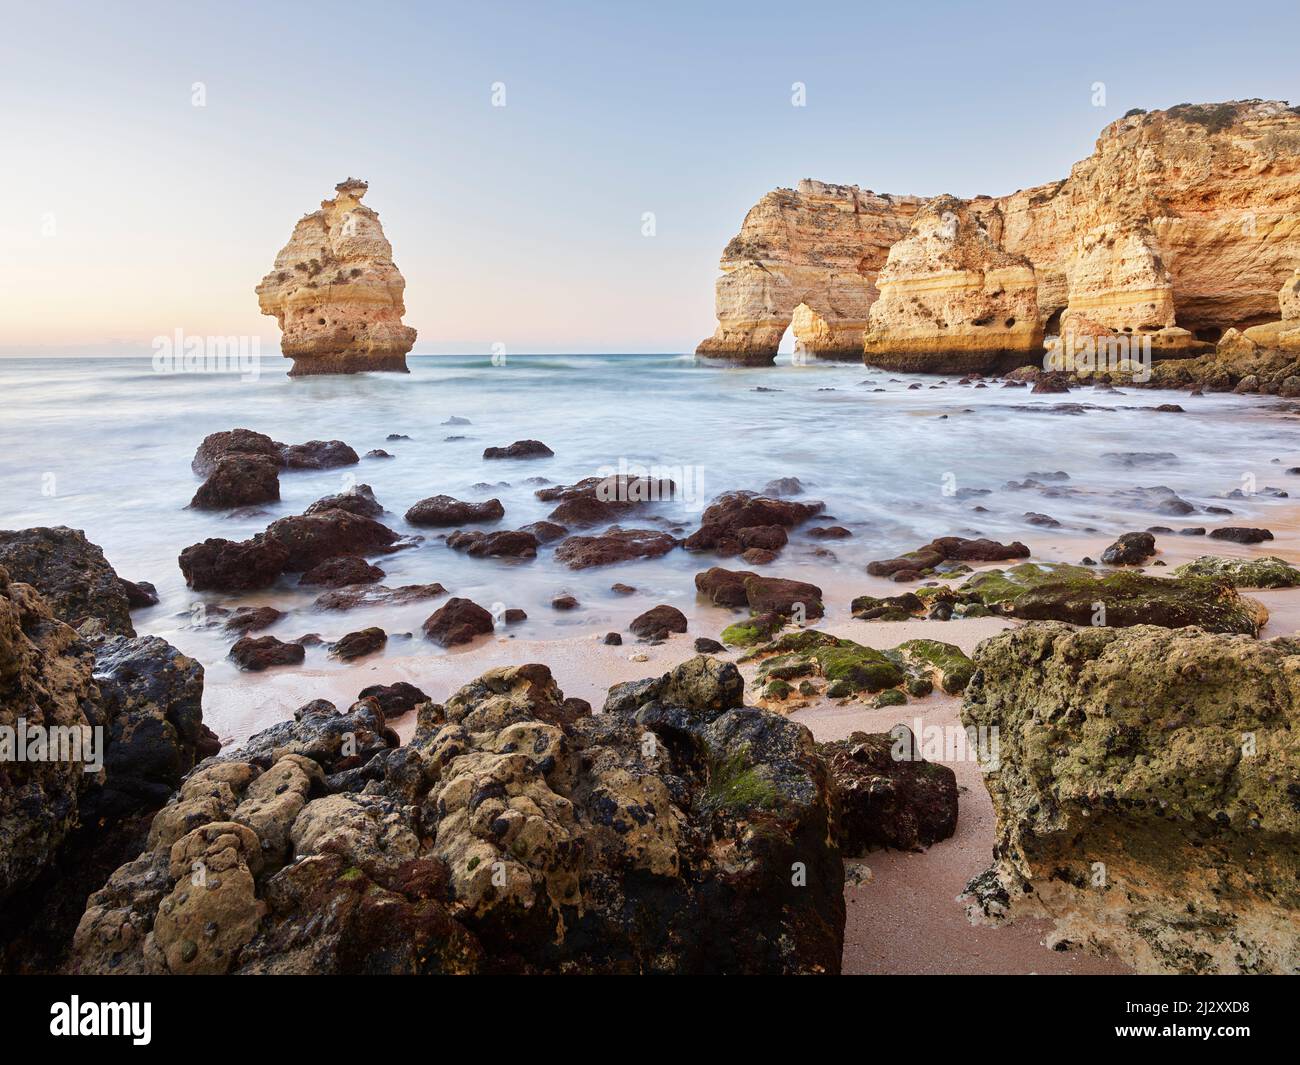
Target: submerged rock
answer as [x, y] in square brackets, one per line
[1145, 793]
[520, 449]
[445, 511]
[239, 480]
[342, 571]
[615, 544]
[359, 499]
[947, 549]
[740, 521]
[254, 654]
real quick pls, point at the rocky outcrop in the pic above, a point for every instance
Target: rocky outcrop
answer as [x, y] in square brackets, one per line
[889, 796]
[679, 832]
[952, 299]
[72, 574]
[810, 256]
[97, 732]
[336, 293]
[1182, 224]
[1145, 792]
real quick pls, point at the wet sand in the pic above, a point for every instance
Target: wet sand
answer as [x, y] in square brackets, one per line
[903, 916]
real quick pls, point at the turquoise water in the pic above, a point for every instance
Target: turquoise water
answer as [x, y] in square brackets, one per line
[105, 445]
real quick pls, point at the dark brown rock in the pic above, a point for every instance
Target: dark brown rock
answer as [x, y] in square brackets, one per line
[340, 571]
[217, 446]
[1131, 549]
[1240, 535]
[546, 531]
[256, 653]
[253, 618]
[445, 511]
[658, 622]
[945, 549]
[239, 481]
[356, 644]
[506, 543]
[318, 455]
[901, 802]
[360, 499]
[520, 449]
[722, 522]
[310, 539]
[457, 621]
[394, 699]
[777, 595]
[233, 566]
[615, 544]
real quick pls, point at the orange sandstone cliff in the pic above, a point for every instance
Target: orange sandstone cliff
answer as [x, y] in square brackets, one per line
[336, 293]
[1181, 225]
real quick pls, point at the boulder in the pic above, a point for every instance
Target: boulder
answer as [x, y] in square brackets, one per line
[516, 833]
[1239, 535]
[359, 499]
[658, 622]
[1267, 572]
[310, 539]
[256, 653]
[394, 699]
[359, 643]
[232, 442]
[342, 571]
[71, 573]
[889, 796]
[253, 618]
[234, 566]
[1058, 592]
[737, 521]
[938, 553]
[457, 621]
[239, 480]
[1145, 793]
[614, 545]
[1131, 549]
[444, 511]
[506, 543]
[600, 500]
[520, 449]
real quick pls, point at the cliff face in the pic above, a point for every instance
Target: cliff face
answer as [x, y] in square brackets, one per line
[949, 292]
[1181, 225]
[808, 256]
[336, 293]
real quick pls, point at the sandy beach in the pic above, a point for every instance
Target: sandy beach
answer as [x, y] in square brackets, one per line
[903, 916]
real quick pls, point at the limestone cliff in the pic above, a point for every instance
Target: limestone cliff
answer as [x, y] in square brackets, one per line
[336, 293]
[1182, 224]
[951, 296]
[808, 256]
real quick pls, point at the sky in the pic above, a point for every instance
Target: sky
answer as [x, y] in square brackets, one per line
[131, 212]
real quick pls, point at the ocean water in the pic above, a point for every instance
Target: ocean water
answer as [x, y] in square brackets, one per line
[104, 445]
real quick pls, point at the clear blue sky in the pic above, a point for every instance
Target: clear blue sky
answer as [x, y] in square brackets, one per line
[132, 213]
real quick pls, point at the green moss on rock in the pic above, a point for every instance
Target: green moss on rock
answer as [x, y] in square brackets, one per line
[1267, 572]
